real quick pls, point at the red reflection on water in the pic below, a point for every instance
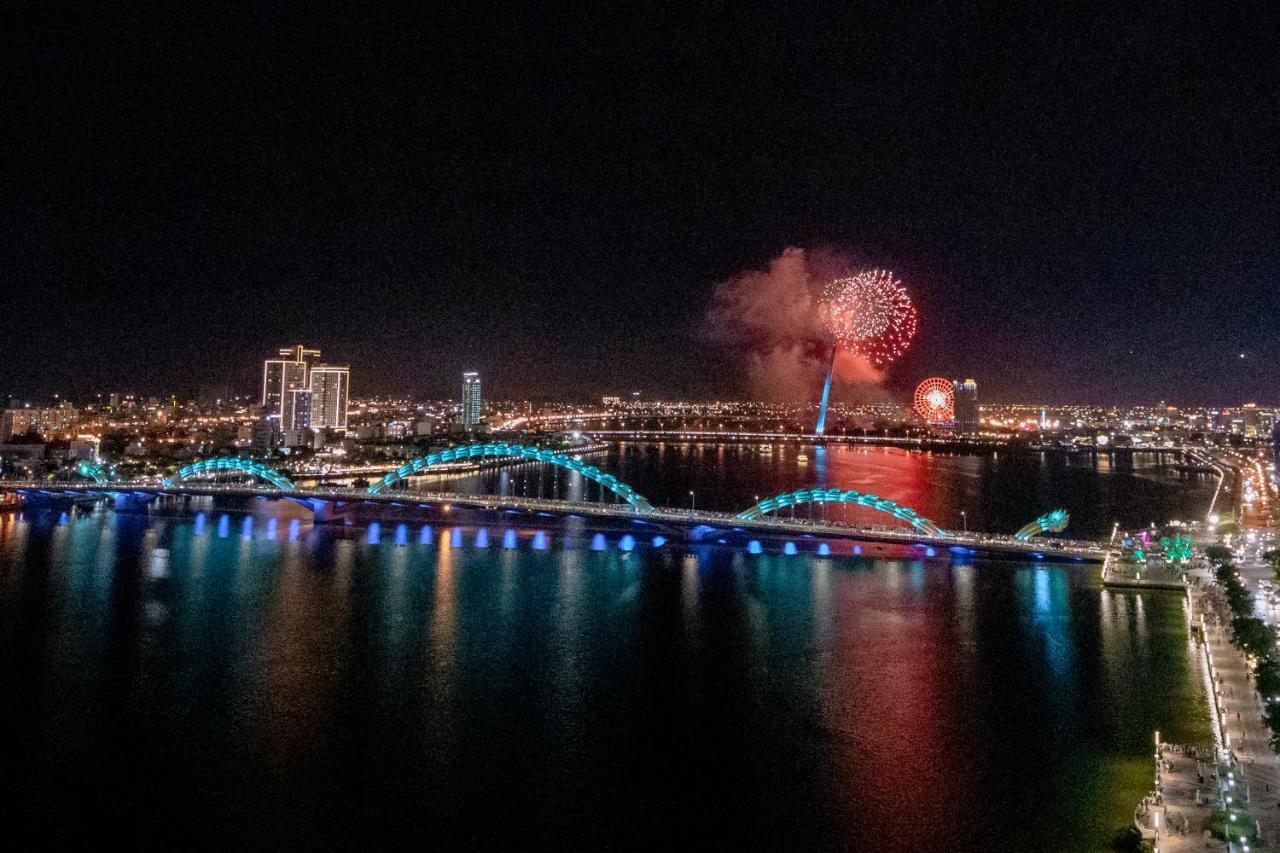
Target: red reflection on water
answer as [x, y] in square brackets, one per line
[922, 481]
[892, 697]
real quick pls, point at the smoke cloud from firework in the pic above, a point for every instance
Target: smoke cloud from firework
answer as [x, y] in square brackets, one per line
[772, 317]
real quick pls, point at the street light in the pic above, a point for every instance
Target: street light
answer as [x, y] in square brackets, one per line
[964, 519]
[693, 501]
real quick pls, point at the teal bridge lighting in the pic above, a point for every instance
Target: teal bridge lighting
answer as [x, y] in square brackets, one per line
[1054, 521]
[503, 450]
[847, 496]
[232, 465]
[91, 471]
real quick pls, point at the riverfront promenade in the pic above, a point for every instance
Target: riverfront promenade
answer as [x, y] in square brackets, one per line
[1245, 778]
[1244, 733]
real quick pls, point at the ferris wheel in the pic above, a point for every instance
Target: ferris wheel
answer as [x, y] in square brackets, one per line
[935, 401]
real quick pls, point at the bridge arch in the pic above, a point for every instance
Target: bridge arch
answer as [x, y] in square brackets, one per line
[536, 454]
[92, 471]
[233, 464]
[1054, 521]
[848, 496]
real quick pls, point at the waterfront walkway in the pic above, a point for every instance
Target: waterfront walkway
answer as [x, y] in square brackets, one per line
[1185, 780]
[1245, 735]
[1190, 783]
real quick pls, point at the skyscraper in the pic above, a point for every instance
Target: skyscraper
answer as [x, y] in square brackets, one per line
[282, 375]
[329, 385]
[470, 400]
[296, 413]
[279, 377]
[966, 404]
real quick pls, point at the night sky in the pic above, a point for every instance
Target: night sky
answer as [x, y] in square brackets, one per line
[1084, 206]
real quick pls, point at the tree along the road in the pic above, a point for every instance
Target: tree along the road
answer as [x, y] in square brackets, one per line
[1273, 557]
[1267, 677]
[1217, 553]
[1238, 598]
[1253, 636]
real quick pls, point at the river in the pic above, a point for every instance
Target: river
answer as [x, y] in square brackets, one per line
[177, 681]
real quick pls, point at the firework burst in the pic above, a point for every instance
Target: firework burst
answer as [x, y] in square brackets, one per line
[870, 314]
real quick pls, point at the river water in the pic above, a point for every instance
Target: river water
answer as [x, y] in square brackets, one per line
[189, 681]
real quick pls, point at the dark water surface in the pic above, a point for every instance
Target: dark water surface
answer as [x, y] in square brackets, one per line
[180, 682]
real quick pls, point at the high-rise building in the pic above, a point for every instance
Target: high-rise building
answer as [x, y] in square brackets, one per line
[279, 377]
[263, 437]
[297, 409]
[966, 404]
[1275, 443]
[1252, 419]
[329, 386]
[49, 423]
[471, 400]
[289, 372]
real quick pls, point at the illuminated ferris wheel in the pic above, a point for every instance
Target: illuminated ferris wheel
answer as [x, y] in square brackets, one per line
[935, 401]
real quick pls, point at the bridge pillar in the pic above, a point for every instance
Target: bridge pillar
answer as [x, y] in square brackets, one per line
[130, 502]
[321, 511]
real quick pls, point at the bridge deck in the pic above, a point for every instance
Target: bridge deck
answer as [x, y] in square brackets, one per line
[988, 543]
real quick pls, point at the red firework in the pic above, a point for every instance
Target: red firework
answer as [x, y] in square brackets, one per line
[871, 314]
[935, 401]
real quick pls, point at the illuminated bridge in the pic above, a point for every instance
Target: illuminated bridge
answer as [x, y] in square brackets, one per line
[904, 527]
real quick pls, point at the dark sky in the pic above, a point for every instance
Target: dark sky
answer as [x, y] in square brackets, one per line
[1084, 205]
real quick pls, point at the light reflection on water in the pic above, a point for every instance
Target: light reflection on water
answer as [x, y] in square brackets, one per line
[603, 697]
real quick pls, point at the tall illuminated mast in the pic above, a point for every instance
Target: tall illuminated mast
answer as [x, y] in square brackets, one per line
[826, 395]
